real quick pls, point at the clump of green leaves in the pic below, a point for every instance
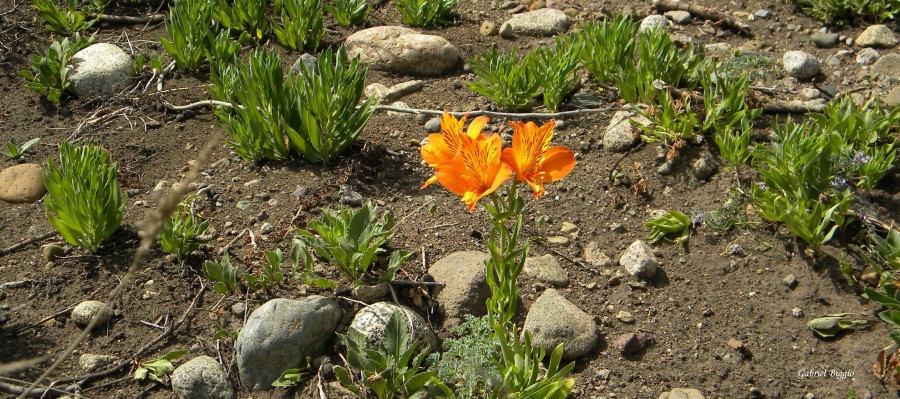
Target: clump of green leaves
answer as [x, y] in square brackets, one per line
[672, 223]
[730, 215]
[888, 295]
[512, 83]
[467, 365]
[797, 191]
[426, 13]
[349, 12]
[84, 203]
[728, 116]
[395, 369]
[608, 47]
[15, 151]
[179, 235]
[223, 274]
[557, 67]
[49, 73]
[189, 28]
[328, 119]
[674, 123]
[659, 59]
[256, 125]
[65, 22]
[301, 23]
[292, 377]
[314, 112]
[352, 240]
[523, 373]
[158, 369]
[843, 11]
[810, 170]
[243, 16]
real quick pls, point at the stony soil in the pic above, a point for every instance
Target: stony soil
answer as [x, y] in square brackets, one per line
[704, 296]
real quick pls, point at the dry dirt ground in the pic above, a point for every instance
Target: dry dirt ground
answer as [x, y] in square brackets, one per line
[703, 297]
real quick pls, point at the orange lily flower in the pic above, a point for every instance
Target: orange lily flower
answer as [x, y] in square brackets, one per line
[443, 148]
[532, 158]
[468, 164]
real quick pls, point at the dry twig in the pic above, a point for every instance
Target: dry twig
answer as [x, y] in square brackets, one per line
[27, 242]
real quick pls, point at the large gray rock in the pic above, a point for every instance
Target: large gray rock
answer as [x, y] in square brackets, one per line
[280, 334]
[888, 66]
[800, 64]
[372, 320]
[620, 134]
[465, 288]
[867, 56]
[22, 183]
[540, 22]
[402, 50]
[202, 378]
[639, 261]
[100, 69]
[546, 269]
[553, 320]
[877, 36]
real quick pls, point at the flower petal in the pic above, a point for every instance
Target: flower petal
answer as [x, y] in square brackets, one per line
[476, 126]
[557, 163]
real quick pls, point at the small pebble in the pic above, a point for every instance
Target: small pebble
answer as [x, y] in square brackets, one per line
[625, 317]
[797, 312]
[790, 281]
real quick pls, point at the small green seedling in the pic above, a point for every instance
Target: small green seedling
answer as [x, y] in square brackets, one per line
[223, 274]
[674, 222]
[291, 377]
[834, 324]
[15, 151]
[157, 369]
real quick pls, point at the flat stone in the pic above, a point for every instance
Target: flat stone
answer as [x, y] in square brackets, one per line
[632, 343]
[305, 60]
[22, 184]
[202, 378]
[90, 362]
[702, 168]
[386, 94]
[888, 66]
[403, 50]
[280, 334]
[625, 317]
[867, 56]
[372, 320]
[679, 17]
[546, 269]
[595, 256]
[465, 288]
[371, 293]
[825, 39]
[893, 97]
[877, 36]
[52, 252]
[762, 14]
[85, 311]
[639, 261]
[541, 22]
[553, 320]
[433, 125]
[100, 69]
[620, 135]
[558, 240]
[488, 28]
[800, 64]
[654, 21]
[682, 393]
[790, 281]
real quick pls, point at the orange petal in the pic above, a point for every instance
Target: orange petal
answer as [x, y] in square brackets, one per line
[476, 126]
[557, 163]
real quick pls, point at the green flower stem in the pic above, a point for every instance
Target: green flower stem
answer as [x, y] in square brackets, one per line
[507, 258]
